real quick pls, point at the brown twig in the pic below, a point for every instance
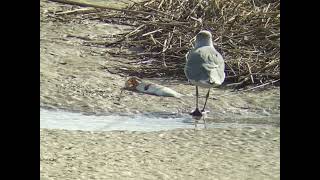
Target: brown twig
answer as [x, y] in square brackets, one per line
[101, 7]
[78, 11]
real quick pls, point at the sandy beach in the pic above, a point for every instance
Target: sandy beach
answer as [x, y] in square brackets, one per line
[246, 153]
[78, 77]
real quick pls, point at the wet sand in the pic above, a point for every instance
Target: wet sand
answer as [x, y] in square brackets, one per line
[247, 153]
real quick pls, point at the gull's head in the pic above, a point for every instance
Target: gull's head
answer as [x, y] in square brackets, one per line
[203, 38]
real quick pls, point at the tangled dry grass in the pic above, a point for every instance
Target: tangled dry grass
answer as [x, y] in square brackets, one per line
[246, 32]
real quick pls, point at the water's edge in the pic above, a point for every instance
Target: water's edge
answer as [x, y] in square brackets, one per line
[61, 119]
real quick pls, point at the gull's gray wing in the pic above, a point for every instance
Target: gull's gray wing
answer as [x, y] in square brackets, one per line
[206, 64]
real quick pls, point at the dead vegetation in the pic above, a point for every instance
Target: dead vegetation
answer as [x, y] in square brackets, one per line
[246, 32]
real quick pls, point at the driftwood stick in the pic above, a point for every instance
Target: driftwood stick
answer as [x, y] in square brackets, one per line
[151, 32]
[255, 87]
[78, 11]
[173, 23]
[101, 7]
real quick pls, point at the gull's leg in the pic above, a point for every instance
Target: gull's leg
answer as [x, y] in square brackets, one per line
[204, 119]
[196, 112]
[197, 95]
[197, 108]
[207, 96]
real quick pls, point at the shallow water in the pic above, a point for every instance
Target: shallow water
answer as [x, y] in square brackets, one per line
[60, 119]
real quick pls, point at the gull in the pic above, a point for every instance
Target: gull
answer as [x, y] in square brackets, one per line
[205, 68]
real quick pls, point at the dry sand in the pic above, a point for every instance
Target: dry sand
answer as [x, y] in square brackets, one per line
[246, 153]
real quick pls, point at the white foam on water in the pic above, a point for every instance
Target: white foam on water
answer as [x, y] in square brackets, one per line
[59, 119]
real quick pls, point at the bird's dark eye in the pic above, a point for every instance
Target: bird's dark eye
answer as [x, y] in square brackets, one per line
[147, 87]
